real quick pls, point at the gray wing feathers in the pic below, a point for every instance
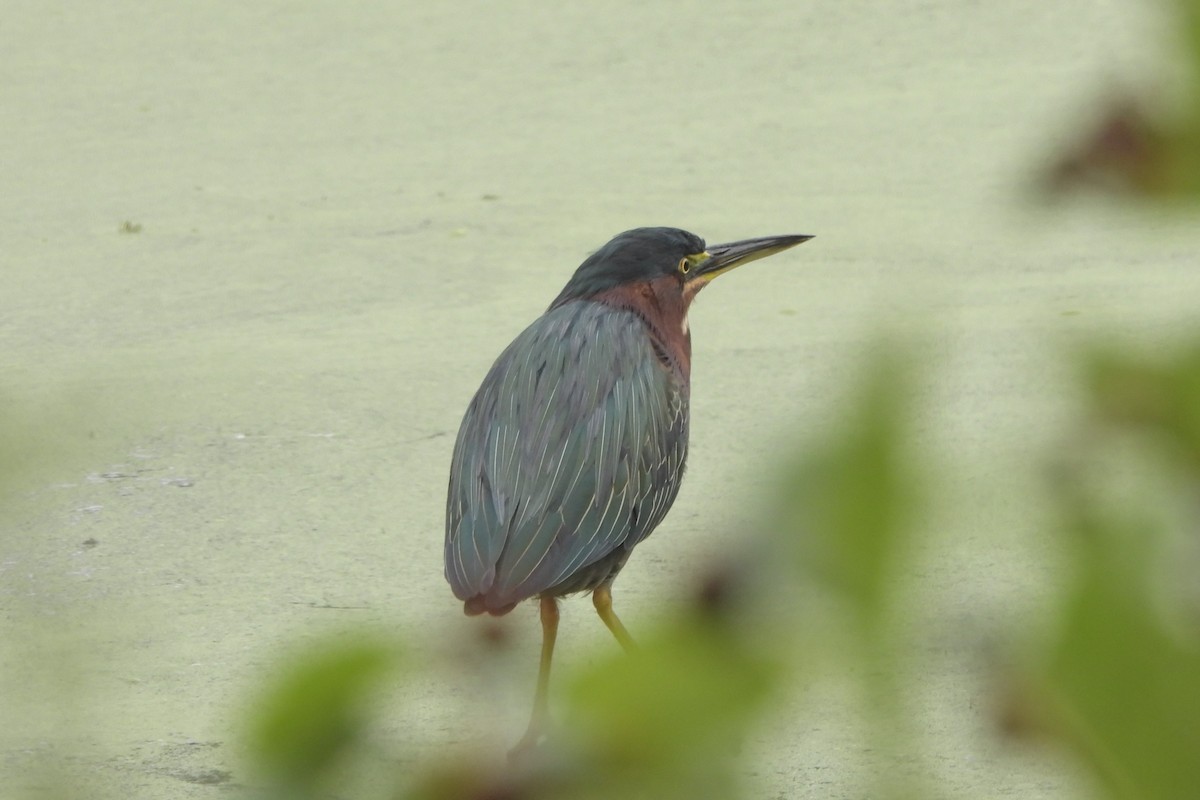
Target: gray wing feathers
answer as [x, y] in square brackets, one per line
[575, 427]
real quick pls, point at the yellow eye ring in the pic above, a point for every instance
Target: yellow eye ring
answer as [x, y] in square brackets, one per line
[684, 265]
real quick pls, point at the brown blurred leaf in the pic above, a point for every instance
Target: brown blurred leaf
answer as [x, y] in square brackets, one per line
[1133, 151]
[1130, 152]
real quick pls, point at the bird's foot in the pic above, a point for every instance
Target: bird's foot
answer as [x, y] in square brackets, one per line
[533, 739]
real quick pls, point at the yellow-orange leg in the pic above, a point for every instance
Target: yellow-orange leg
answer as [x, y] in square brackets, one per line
[602, 599]
[541, 698]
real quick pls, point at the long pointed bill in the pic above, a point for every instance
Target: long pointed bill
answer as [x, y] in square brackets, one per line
[724, 257]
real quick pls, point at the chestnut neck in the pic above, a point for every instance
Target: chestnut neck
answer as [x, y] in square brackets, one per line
[662, 303]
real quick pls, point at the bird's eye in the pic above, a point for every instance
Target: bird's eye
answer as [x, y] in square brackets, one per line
[684, 265]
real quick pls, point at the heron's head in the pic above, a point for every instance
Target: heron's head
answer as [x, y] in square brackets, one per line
[649, 254]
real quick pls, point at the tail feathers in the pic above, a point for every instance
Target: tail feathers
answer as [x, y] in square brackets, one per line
[473, 606]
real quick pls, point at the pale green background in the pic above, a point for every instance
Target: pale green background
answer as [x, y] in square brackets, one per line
[347, 209]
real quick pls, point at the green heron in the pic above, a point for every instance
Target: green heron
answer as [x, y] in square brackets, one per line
[573, 449]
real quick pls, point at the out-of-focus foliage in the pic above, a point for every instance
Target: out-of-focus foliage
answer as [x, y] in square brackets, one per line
[1144, 146]
[666, 721]
[851, 500]
[316, 713]
[850, 509]
[684, 698]
[1156, 397]
[1120, 684]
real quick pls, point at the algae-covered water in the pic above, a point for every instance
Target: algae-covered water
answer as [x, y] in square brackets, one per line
[257, 258]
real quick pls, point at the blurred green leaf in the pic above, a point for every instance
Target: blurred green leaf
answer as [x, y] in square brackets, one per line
[1190, 17]
[1121, 681]
[1125, 688]
[852, 501]
[316, 710]
[1160, 395]
[677, 706]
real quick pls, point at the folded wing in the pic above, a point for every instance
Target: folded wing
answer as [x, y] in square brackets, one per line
[573, 446]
